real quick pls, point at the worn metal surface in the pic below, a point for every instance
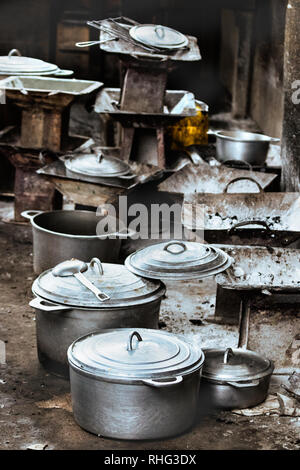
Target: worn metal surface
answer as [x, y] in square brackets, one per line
[261, 268]
[45, 104]
[274, 217]
[203, 178]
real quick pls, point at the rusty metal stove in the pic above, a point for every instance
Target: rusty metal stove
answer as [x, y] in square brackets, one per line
[143, 87]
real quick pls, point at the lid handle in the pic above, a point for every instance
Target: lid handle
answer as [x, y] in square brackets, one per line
[130, 338]
[99, 157]
[183, 246]
[99, 265]
[160, 31]
[14, 52]
[228, 354]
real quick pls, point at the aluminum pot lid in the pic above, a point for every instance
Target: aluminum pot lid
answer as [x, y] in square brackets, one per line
[97, 165]
[15, 63]
[123, 287]
[178, 260]
[132, 354]
[228, 364]
[158, 36]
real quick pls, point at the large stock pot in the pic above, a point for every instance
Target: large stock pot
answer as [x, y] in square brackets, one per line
[138, 384]
[65, 309]
[64, 234]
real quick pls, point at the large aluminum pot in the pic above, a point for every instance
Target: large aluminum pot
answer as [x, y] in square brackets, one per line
[66, 310]
[139, 384]
[234, 378]
[248, 147]
[65, 234]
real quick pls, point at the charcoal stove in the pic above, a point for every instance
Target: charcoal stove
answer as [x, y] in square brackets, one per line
[272, 276]
[141, 102]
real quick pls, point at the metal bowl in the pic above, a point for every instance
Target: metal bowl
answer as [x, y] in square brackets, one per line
[244, 146]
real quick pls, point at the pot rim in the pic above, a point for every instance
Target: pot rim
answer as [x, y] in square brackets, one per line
[261, 140]
[117, 235]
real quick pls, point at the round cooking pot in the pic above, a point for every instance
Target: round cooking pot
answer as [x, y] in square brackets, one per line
[15, 64]
[60, 235]
[245, 146]
[234, 378]
[138, 384]
[65, 309]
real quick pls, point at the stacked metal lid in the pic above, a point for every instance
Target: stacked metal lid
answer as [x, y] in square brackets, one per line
[134, 354]
[97, 165]
[158, 36]
[235, 365]
[15, 64]
[178, 260]
[123, 288]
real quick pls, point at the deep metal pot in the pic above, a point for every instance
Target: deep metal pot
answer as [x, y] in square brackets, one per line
[134, 405]
[66, 309]
[235, 392]
[245, 146]
[57, 326]
[61, 235]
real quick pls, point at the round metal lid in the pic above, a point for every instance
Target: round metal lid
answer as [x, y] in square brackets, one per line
[16, 64]
[123, 287]
[178, 260]
[158, 36]
[235, 365]
[134, 354]
[97, 165]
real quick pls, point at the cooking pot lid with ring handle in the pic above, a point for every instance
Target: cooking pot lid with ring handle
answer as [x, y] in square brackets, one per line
[158, 36]
[177, 260]
[97, 164]
[235, 365]
[123, 287]
[128, 353]
[15, 63]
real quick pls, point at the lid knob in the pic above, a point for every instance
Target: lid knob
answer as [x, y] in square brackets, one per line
[160, 31]
[228, 354]
[99, 265]
[177, 252]
[130, 338]
[14, 52]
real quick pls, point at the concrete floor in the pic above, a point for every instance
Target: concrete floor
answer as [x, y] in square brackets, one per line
[35, 407]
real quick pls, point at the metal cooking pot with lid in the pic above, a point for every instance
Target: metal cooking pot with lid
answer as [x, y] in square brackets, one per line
[68, 309]
[178, 260]
[98, 165]
[235, 378]
[158, 36]
[141, 384]
[15, 64]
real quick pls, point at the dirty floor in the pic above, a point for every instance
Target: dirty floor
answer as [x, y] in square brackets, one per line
[35, 408]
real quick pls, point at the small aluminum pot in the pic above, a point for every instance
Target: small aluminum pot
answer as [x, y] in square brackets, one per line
[132, 302]
[65, 234]
[238, 386]
[139, 384]
[244, 146]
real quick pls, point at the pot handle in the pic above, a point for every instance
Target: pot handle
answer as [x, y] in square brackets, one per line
[64, 73]
[129, 233]
[237, 164]
[183, 246]
[30, 214]
[248, 178]
[253, 383]
[130, 338]
[99, 265]
[243, 223]
[169, 383]
[14, 52]
[47, 306]
[228, 353]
